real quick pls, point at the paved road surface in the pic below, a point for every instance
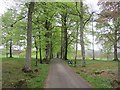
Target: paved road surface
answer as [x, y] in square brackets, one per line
[62, 76]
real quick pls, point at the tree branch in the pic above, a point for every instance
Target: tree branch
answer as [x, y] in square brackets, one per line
[118, 39]
[77, 9]
[70, 41]
[118, 47]
[87, 20]
[17, 21]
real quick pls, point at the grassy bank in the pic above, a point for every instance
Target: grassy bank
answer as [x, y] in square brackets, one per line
[12, 73]
[100, 74]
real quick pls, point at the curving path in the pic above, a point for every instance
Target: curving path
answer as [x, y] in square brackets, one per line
[62, 76]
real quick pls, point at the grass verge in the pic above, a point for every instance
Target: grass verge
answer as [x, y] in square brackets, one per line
[12, 73]
[100, 74]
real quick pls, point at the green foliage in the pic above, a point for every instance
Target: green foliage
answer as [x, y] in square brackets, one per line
[14, 25]
[108, 25]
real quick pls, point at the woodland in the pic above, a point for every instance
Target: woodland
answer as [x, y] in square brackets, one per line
[37, 32]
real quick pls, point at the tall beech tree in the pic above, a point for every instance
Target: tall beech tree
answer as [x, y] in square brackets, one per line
[93, 35]
[7, 30]
[27, 66]
[40, 47]
[64, 40]
[110, 14]
[77, 33]
[83, 21]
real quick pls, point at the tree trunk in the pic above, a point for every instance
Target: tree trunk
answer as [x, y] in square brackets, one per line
[57, 55]
[61, 56]
[115, 34]
[115, 53]
[40, 52]
[93, 40]
[115, 47]
[47, 35]
[107, 55]
[10, 48]
[65, 40]
[40, 55]
[81, 34]
[7, 50]
[36, 51]
[36, 56]
[76, 42]
[36, 48]
[27, 66]
[62, 38]
[66, 44]
[51, 54]
[47, 43]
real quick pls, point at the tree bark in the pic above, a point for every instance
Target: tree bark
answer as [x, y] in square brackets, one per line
[65, 40]
[47, 42]
[7, 49]
[107, 55]
[116, 34]
[115, 46]
[40, 50]
[36, 51]
[62, 38]
[36, 48]
[51, 53]
[76, 42]
[10, 48]
[47, 35]
[62, 41]
[93, 40]
[27, 66]
[81, 34]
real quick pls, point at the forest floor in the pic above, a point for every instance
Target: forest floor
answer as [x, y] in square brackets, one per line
[62, 76]
[99, 73]
[13, 77]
